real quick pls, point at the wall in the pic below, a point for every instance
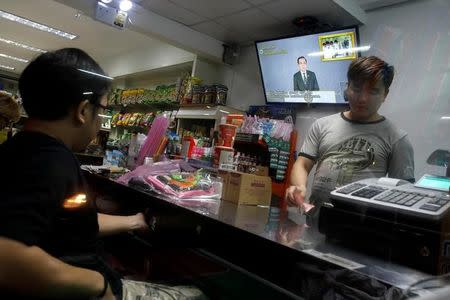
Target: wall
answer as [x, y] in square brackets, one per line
[245, 81]
[414, 38]
[141, 60]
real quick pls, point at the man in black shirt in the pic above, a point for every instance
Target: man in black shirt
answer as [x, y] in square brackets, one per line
[48, 224]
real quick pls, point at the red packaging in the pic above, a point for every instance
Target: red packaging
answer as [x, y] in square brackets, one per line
[217, 151]
[227, 133]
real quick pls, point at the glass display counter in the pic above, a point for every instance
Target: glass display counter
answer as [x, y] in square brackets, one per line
[270, 247]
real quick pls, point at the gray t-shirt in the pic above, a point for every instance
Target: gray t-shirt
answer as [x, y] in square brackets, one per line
[346, 151]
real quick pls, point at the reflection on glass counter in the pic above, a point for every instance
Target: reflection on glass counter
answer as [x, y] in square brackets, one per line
[279, 226]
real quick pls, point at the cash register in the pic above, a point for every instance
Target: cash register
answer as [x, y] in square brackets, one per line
[403, 222]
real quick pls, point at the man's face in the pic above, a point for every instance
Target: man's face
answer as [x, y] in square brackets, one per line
[93, 122]
[365, 99]
[99, 114]
[302, 64]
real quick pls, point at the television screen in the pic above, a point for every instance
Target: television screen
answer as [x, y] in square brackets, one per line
[309, 68]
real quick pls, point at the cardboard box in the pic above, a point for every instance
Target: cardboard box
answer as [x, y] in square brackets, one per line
[248, 189]
[248, 217]
[262, 171]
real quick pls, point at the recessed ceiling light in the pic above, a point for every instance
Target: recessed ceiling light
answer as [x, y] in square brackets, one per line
[125, 5]
[14, 58]
[21, 45]
[36, 25]
[7, 67]
[106, 1]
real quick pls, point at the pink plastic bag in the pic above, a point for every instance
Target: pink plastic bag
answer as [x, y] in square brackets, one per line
[143, 171]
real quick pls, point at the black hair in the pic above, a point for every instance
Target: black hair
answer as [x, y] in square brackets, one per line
[372, 69]
[301, 58]
[57, 81]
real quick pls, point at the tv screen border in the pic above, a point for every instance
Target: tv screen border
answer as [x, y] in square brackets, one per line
[358, 54]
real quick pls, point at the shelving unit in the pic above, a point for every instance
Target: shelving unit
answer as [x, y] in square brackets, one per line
[261, 148]
[188, 114]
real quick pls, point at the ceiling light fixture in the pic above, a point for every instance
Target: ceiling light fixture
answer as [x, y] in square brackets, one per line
[125, 5]
[21, 45]
[14, 58]
[96, 74]
[36, 25]
[106, 1]
[7, 67]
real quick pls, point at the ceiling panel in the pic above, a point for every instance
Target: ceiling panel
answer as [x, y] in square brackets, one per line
[211, 28]
[231, 21]
[248, 21]
[287, 10]
[274, 31]
[213, 8]
[171, 11]
[98, 39]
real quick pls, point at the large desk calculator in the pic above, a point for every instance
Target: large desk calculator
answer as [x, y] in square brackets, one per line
[428, 198]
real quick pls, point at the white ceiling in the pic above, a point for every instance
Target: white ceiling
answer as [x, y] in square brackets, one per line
[229, 21]
[243, 21]
[99, 40]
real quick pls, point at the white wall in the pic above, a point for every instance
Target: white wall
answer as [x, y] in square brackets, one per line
[140, 60]
[415, 38]
[245, 81]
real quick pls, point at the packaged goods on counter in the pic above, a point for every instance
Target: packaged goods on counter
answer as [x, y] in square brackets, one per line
[183, 185]
[223, 155]
[175, 179]
[243, 188]
[158, 168]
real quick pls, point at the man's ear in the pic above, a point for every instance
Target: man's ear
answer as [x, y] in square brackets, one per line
[81, 111]
[385, 94]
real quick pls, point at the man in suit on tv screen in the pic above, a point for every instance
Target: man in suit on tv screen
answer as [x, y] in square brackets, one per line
[305, 80]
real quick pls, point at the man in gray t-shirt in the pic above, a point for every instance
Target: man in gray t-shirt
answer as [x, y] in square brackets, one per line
[355, 144]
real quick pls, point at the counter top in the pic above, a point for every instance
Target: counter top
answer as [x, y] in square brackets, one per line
[286, 228]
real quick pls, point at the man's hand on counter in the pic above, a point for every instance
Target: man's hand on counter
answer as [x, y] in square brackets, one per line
[109, 224]
[295, 195]
[138, 222]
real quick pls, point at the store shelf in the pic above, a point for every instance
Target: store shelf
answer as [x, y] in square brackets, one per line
[135, 107]
[206, 112]
[137, 128]
[156, 76]
[199, 105]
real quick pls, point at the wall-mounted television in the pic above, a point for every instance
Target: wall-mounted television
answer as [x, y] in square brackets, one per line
[308, 68]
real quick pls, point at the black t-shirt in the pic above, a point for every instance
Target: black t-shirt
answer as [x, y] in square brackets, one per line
[40, 180]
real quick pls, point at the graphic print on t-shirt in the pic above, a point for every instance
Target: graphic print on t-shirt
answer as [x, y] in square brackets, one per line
[344, 159]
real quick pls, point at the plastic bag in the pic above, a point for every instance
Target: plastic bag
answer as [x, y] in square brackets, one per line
[165, 167]
[184, 185]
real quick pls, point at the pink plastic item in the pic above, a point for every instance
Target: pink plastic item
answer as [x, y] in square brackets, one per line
[154, 137]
